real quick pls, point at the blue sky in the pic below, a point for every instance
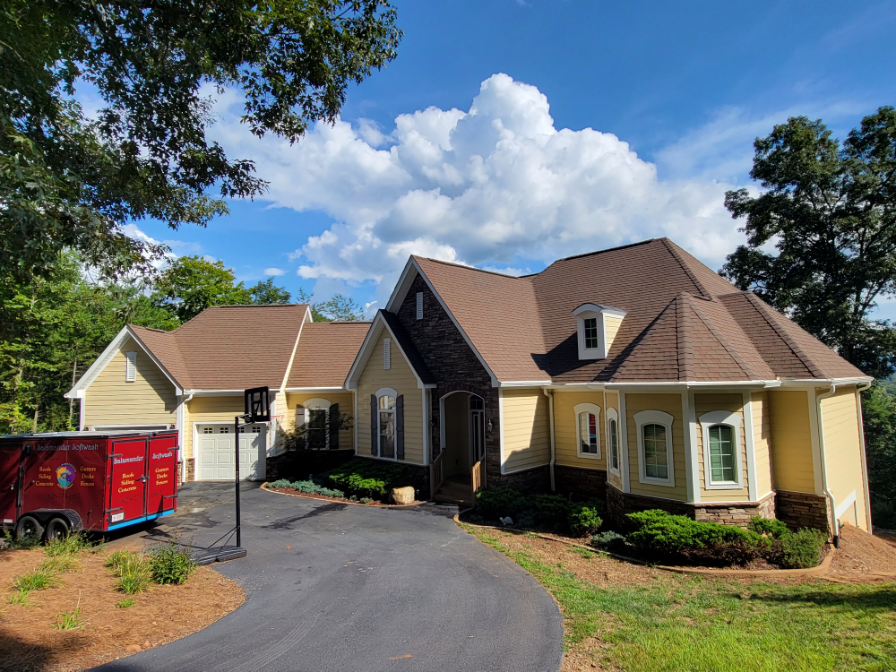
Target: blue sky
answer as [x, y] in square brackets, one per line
[509, 133]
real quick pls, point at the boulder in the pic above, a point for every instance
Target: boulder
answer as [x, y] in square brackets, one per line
[403, 495]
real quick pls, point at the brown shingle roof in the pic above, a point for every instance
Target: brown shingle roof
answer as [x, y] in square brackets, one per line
[684, 321]
[325, 353]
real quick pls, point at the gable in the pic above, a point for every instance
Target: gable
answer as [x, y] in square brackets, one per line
[401, 349]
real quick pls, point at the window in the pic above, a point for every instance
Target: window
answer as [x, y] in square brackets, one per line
[587, 434]
[591, 332]
[386, 425]
[315, 416]
[208, 430]
[613, 439]
[721, 450]
[387, 353]
[130, 374]
[655, 462]
[419, 305]
[224, 429]
[596, 326]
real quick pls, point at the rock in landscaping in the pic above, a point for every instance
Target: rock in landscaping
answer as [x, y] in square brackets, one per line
[147, 645]
[132, 648]
[403, 495]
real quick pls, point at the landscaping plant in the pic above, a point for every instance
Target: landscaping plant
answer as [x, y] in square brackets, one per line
[133, 571]
[70, 621]
[171, 565]
[500, 502]
[309, 487]
[801, 549]
[366, 478]
[125, 603]
[39, 579]
[609, 541]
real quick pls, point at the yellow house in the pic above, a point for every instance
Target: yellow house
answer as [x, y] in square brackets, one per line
[192, 379]
[636, 374]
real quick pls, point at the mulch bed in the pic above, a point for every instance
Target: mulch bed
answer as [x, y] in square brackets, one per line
[343, 500]
[863, 558]
[30, 641]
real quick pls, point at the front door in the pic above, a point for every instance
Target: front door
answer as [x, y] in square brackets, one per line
[477, 442]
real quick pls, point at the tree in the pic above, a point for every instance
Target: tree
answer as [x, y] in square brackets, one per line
[339, 308]
[192, 284]
[830, 212]
[879, 419]
[266, 292]
[68, 182]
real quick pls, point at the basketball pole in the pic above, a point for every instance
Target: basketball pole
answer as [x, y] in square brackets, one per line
[236, 469]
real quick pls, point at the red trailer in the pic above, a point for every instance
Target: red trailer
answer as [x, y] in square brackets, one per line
[100, 481]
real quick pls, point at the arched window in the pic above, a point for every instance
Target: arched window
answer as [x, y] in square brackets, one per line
[655, 461]
[587, 433]
[314, 415]
[384, 424]
[721, 450]
[613, 440]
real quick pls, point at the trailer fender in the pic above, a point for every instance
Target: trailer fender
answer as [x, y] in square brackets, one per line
[69, 515]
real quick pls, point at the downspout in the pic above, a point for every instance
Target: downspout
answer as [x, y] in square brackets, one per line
[550, 395]
[183, 459]
[835, 527]
[859, 390]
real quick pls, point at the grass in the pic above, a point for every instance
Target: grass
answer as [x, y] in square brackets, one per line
[39, 579]
[699, 625]
[133, 571]
[60, 564]
[126, 602]
[68, 545]
[20, 597]
[70, 621]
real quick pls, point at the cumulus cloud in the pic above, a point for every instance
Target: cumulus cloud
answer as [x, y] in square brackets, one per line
[274, 271]
[488, 186]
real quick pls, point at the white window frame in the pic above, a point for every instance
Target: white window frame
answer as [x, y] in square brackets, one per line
[655, 418]
[594, 311]
[735, 421]
[613, 415]
[319, 405]
[387, 354]
[383, 392]
[130, 366]
[595, 410]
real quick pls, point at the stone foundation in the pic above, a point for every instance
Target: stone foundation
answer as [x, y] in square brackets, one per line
[190, 473]
[583, 483]
[529, 481]
[737, 514]
[800, 509]
[300, 464]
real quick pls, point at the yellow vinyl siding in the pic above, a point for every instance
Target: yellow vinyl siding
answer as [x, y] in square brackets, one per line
[791, 443]
[565, 424]
[611, 328]
[209, 409]
[762, 432]
[526, 422]
[346, 403]
[731, 403]
[613, 402]
[400, 377]
[671, 404]
[843, 453]
[149, 400]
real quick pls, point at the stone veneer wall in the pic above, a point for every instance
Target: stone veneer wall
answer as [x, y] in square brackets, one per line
[190, 470]
[530, 481]
[582, 482]
[800, 509]
[740, 514]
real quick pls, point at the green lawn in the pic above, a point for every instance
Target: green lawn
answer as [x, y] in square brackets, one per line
[713, 625]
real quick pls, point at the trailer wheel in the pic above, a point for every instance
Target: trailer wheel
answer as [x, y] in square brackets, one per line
[57, 528]
[29, 526]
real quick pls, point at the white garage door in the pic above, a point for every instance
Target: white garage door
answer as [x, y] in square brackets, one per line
[216, 457]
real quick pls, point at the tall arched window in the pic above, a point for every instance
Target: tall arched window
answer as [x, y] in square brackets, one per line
[613, 440]
[587, 430]
[386, 425]
[721, 450]
[655, 461]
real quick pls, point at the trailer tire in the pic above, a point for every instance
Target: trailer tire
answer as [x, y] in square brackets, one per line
[29, 526]
[57, 528]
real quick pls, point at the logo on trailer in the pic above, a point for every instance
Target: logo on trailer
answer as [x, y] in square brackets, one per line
[65, 476]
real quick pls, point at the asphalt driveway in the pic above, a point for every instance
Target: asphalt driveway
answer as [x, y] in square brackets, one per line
[336, 587]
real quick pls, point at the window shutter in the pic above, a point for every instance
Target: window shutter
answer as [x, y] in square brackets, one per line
[300, 416]
[334, 426]
[131, 367]
[373, 436]
[419, 305]
[399, 427]
[387, 353]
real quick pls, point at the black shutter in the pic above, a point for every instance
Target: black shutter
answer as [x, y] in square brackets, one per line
[373, 437]
[399, 427]
[334, 426]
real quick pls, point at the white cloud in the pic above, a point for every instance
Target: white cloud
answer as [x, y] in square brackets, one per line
[274, 271]
[487, 186]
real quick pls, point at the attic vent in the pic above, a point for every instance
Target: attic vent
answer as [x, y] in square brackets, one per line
[419, 305]
[387, 353]
[130, 373]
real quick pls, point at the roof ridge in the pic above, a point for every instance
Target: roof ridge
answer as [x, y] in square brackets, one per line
[763, 309]
[258, 305]
[473, 268]
[683, 338]
[684, 266]
[725, 343]
[609, 249]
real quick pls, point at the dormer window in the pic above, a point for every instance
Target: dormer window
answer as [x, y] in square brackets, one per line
[597, 326]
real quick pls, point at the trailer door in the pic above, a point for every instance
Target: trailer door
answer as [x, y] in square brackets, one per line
[127, 482]
[10, 456]
[161, 497]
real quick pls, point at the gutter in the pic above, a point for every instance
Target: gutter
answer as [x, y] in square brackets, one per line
[859, 389]
[550, 395]
[835, 528]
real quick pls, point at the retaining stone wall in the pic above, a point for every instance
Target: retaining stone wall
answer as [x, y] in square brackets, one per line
[584, 483]
[800, 509]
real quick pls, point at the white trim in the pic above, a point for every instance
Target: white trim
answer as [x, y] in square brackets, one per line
[626, 467]
[612, 414]
[130, 366]
[501, 427]
[749, 430]
[308, 318]
[298, 390]
[195, 424]
[149, 427]
[735, 422]
[597, 312]
[691, 466]
[320, 404]
[82, 412]
[861, 423]
[526, 383]
[427, 429]
[355, 421]
[848, 501]
[370, 340]
[383, 392]
[816, 442]
[655, 418]
[593, 409]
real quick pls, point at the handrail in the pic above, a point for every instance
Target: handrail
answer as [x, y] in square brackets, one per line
[436, 473]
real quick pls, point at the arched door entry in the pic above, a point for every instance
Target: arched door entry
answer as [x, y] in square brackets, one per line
[459, 470]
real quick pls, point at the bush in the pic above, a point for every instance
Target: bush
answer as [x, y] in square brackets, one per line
[584, 519]
[133, 571]
[309, 487]
[609, 541]
[553, 511]
[170, 565]
[526, 520]
[801, 549]
[771, 527]
[500, 502]
[39, 579]
[69, 544]
[366, 478]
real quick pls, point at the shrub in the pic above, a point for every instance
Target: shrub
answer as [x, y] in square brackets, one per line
[170, 565]
[584, 519]
[133, 571]
[801, 549]
[366, 478]
[553, 510]
[60, 564]
[309, 487]
[609, 541]
[771, 527]
[500, 502]
[526, 520]
[69, 544]
[39, 579]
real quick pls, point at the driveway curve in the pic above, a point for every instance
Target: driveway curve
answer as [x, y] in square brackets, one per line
[336, 587]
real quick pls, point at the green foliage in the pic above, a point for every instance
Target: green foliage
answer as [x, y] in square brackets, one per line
[126, 602]
[293, 439]
[769, 526]
[879, 420]
[59, 564]
[552, 510]
[265, 292]
[70, 621]
[366, 478]
[133, 571]
[22, 544]
[170, 564]
[309, 487]
[801, 549]
[68, 545]
[829, 209]
[500, 502]
[39, 579]
[20, 597]
[609, 541]
[339, 308]
[584, 520]
[66, 182]
[191, 284]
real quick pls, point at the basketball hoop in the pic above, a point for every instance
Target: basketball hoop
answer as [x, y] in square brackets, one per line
[258, 406]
